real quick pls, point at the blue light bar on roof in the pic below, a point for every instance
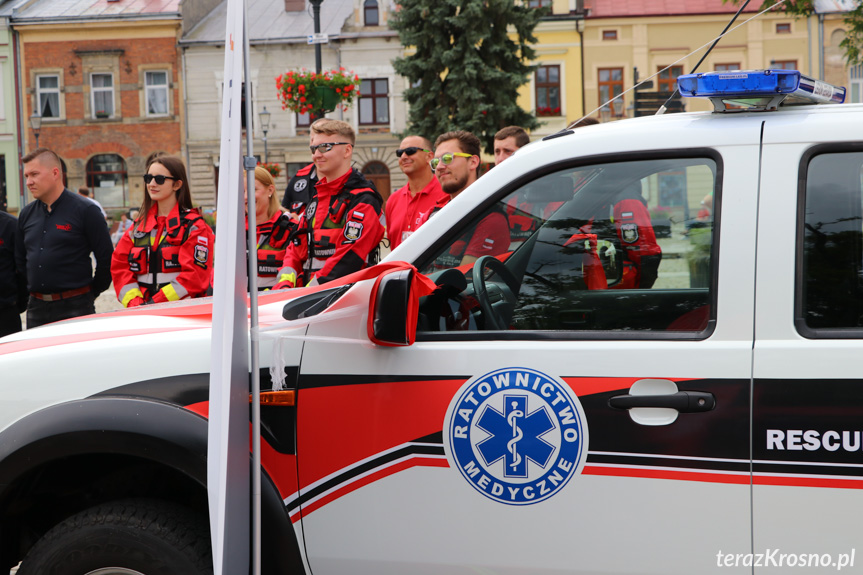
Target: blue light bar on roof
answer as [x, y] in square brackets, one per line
[746, 90]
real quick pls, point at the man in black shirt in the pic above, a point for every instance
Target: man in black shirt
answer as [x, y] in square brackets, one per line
[13, 285]
[56, 234]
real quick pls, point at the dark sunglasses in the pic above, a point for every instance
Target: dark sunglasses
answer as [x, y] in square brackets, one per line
[410, 151]
[324, 148]
[159, 179]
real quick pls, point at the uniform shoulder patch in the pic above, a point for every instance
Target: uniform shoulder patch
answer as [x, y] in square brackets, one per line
[629, 233]
[202, 255]
[300, 185]
[516, 435]
[353, 231]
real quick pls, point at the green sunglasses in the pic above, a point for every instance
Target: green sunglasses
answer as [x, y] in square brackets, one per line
[447, 159]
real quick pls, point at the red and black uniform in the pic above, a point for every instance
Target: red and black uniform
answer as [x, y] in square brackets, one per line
[300, 190]
[641, 254]
[273, 238]
[338, 233]
[164, 258]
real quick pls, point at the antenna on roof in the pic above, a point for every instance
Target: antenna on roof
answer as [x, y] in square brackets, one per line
[664, 106]
[568, 129]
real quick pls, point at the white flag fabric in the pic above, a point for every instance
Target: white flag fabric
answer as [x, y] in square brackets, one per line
[228, 469]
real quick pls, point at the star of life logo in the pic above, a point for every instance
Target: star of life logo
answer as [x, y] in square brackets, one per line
[516, 435]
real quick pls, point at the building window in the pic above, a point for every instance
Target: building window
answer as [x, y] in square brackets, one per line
[783, 28]
[610, 86]
[48, 95]
[156, 90]
[855, 84]
[667, 79]
[106, 177]
[539, 3]
[609, 34]
[102, 95]
[783, 64]
[379, 174]
[371, 14]
[547, 82]
[291, 169]
[726, 67]
[304, 120]
[374, 102]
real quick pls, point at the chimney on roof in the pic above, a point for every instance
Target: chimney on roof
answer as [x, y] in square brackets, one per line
[295, 5]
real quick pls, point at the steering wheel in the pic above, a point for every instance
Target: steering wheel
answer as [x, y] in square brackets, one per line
[492, 320]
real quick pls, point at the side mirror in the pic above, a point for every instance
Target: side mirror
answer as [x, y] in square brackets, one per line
[390, 310]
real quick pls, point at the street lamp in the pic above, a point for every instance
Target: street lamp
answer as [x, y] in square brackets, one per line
[605, 113]
[265, 127]
[36, 125]
[316, 16]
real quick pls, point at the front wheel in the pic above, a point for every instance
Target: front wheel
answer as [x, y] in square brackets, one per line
[133, 537]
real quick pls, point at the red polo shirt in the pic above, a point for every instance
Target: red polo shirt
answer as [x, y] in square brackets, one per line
[405, 214]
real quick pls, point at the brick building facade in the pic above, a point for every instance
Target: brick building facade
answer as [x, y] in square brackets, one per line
[107, 87]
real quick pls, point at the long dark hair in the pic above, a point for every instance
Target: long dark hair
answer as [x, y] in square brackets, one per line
[177, 169]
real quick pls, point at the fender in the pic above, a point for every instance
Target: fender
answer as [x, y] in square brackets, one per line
[159, 432]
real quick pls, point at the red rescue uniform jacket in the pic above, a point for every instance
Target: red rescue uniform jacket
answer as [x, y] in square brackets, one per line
[338, 233]
[641, 254]
[164, 258]
[273, 238]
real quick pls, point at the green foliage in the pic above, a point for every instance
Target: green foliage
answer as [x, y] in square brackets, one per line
[853, 42]
[466, 70]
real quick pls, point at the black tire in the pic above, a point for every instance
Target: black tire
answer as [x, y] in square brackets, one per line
[132, 536]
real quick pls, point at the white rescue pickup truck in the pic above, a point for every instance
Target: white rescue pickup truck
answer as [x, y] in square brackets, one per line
[659, 374]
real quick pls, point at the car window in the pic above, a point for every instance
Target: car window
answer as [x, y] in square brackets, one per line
[830, 256]
[612, 247]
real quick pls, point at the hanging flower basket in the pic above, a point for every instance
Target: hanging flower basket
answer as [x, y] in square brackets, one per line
[274, 169]
[303, 92]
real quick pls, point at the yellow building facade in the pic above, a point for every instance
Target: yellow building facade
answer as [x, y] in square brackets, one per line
[554, 92]
[615, 47]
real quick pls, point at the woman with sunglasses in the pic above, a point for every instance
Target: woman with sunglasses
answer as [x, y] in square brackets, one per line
[273, 226]
[167, 255]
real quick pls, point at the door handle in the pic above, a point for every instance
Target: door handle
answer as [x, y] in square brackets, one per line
[682, 401]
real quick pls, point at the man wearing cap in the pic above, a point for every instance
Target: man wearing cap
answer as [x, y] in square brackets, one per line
[56, 234]
[409, 207]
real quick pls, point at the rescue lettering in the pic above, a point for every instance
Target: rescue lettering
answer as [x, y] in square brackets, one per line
[812, 440]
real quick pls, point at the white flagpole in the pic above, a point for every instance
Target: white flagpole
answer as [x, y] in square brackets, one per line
[228, 431]
[252, 243]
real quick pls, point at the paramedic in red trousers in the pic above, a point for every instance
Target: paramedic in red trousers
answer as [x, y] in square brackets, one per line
[56, 234]
[341, 228]
[167, 254]
[273, 229]
[409, 207]
[456, 164]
